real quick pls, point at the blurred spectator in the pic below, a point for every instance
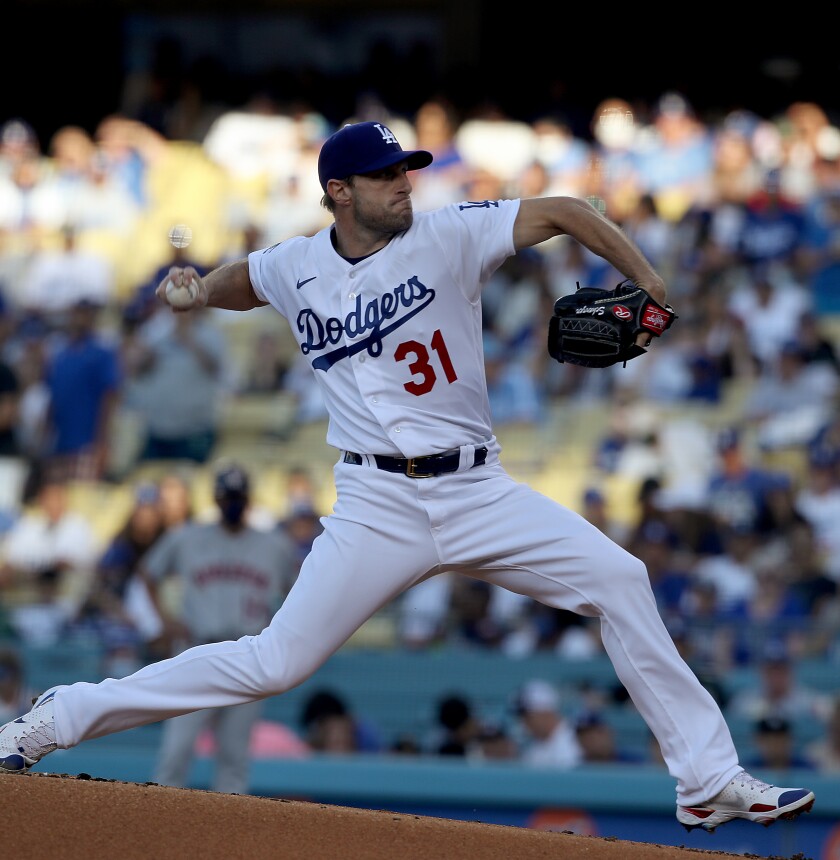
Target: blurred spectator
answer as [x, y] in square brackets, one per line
[291, 210]
[675, 158]
[821, 249]
[791, 399]
[769, 305]
[772, 225]
[436, 123]
[651, 232]
[704, 640]
[827, 437]
[233, 578]
[309, 401]
[775, 746]
[301, 527]
[15, 695]
[10, 394]
[104, 212]
[495, 148]
[118, 610]
[730, 570]
[59, 280]
[665, 376]
[595, 509]
[84, 380]
[473, 621]
[42, 619]
[13, 465]
[175, 500]
[18, 142]
[49, 552]
[493, 742]
[71, 150]
[738, 490]
[816, 344]
[423, 612]
[330, 726]
[543, 628]
[22, 168]
[818, 501]
[406, 745]
[29, 356]
[774, 611]
[511, 386]
[517, 292]
[806, 124]
[267, 365]
[551, 739]
[175, 384]
[457, 727]
[810, 581]
[269, 740]
[649, 510]
[778, 692]
[301, 488]
[599, 742]
[564, 156]
[124, 143]
[824, 753]
[736, 174]
[721, 337]
[613, 176]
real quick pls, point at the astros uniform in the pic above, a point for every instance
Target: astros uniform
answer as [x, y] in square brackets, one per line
[395, 342]
[230, 585]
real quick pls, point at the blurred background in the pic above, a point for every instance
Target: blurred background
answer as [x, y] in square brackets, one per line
[716, 458]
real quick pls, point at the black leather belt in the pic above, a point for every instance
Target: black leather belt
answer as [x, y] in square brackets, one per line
[419, 467]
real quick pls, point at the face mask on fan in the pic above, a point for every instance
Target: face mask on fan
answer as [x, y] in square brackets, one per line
[233, 510]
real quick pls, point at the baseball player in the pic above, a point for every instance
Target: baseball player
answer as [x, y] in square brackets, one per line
[386, 307]
[232, 578]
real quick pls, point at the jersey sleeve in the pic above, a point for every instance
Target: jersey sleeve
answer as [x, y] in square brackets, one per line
[476, 237]
[271, 272]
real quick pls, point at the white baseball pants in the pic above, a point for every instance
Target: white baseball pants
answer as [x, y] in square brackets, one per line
[388, 532]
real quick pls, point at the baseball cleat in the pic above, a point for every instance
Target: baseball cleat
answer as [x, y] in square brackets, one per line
[749, 798]
[26, 740]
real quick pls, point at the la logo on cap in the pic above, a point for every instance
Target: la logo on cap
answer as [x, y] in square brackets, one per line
[387, 135]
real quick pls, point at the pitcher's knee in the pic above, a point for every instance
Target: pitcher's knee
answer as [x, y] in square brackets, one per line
[625, 574]
[281, 667]
[634, 571]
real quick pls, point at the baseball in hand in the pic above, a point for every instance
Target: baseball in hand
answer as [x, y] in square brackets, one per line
[181, 297]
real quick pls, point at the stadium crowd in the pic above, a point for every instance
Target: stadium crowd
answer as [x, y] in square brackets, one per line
[735, 515]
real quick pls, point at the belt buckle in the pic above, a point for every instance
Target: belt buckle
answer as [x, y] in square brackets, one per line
[412, 472]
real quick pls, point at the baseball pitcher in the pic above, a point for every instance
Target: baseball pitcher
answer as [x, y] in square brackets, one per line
[386, 308]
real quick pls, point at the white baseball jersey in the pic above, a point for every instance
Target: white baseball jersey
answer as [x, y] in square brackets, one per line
[396, 346]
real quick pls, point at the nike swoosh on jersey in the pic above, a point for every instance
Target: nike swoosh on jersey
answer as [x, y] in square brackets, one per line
[304, 283]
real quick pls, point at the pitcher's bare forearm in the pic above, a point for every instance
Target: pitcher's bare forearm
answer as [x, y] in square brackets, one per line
[540, 219]
[229, 287]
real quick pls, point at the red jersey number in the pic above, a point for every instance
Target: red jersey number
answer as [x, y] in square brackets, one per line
[421, 365]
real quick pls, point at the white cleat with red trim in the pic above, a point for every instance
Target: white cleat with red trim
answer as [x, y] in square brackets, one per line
[749, 798]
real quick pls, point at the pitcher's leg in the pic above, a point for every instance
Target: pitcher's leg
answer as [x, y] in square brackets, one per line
[537, 547]
[345, 579]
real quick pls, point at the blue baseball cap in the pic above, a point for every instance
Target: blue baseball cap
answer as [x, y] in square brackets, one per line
[363, 147]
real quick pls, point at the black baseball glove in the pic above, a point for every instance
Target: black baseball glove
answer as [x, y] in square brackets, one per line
[599, 328]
